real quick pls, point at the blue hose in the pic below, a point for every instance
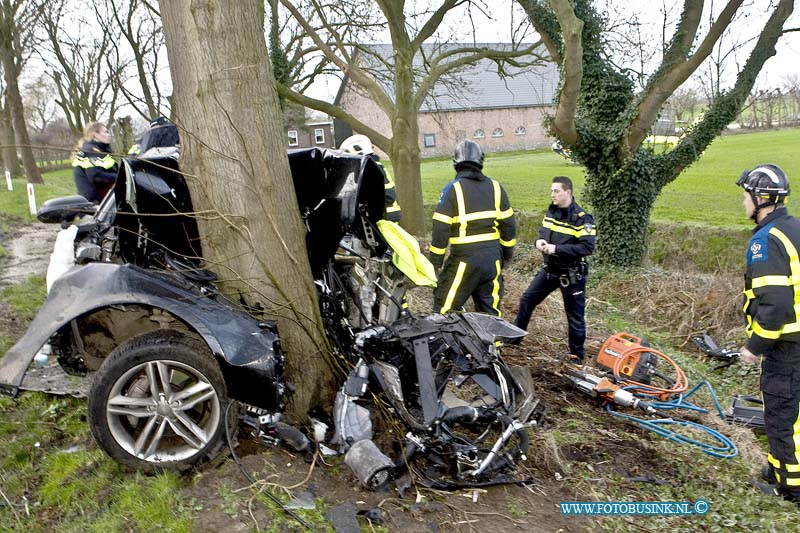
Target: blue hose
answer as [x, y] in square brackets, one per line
[725, 449]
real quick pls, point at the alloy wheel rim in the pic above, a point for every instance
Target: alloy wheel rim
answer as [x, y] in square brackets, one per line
[163, 411]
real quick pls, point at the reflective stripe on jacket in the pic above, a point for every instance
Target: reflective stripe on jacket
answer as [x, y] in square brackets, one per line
[473, 208]
[573, 232]
[94, 170]
[393, 212]
[772, 282]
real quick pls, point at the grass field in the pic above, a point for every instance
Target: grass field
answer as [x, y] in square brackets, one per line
[15, 203]
[705, 193]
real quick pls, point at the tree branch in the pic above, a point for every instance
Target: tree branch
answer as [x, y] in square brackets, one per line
[571, 71]
[377, 138]
[472, 55]
[727, 106]
[545, 23]
[347, 65]
[434, 21]
[681, 43]
[673, 76]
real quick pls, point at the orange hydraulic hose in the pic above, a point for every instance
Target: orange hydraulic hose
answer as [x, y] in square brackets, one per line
[681, 382]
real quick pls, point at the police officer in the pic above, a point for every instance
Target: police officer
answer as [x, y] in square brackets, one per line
[475, 218]
[94, 169]
[566, 237]
[771, 293]
[361, 145]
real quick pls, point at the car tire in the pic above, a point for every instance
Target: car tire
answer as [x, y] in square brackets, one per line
[158, 402]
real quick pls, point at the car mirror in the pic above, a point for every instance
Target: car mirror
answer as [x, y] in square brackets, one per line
[64, 209]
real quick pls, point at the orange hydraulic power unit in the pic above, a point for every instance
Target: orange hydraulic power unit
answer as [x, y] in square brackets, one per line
[637, 360]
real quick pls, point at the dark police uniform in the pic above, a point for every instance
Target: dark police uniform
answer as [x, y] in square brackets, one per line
[94, 170]
[475, 218]
[572, 230]
[772, 311]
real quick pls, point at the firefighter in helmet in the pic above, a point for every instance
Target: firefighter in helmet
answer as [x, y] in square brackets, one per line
[361, 145]
[473, 217]
[771, 293]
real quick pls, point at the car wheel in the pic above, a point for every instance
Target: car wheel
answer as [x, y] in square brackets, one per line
[158, 402]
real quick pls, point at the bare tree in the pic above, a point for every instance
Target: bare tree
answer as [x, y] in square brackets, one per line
[604, 121]
[7, 141]
[791, 83]
[685, 102]
[17, 20]
[296, 59]
[234, 157]
[723, 62]
[404, 78]
[40, 110]
[83, 64]
[134, 31]
[8, 144]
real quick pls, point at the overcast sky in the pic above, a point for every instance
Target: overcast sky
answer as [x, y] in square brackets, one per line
[650, 15]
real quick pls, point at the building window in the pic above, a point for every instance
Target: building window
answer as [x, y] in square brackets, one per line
[429, 139]
[520, 130]
[479, 134]
[293, 138]
[497, 132]
[319, 136]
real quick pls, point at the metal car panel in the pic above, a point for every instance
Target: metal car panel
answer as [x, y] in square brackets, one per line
[248, 350]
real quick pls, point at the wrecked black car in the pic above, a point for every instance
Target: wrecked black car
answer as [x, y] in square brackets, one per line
[132, 308]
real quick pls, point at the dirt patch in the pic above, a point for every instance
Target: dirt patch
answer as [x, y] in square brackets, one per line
[29, 247]
[532, 508]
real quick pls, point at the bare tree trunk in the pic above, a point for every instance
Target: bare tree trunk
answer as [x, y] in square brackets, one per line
[405, 144]
[235, 160]
[9, 144]
[18, 116]
[123, 134]
[406, 167]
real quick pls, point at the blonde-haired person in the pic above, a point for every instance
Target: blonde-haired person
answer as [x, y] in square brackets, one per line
[94, 170]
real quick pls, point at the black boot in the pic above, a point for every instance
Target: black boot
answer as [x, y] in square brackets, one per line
[768, 474]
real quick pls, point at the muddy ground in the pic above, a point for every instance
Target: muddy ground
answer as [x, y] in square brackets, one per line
[28, 250]
[532, 507]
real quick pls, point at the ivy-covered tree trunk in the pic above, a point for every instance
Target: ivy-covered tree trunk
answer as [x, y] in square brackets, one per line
[604, 120]
[621, 200]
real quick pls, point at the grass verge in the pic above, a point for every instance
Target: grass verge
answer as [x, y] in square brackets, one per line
[704, 194]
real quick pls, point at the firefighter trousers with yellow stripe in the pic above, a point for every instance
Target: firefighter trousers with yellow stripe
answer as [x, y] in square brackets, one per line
[477, 274]
[780, 388]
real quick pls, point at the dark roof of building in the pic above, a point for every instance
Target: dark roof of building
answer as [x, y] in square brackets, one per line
[477, 86]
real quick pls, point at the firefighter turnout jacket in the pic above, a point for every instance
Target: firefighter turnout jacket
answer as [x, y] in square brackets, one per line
[772, 311]
[573, 232]
[393, 212]
[473, 217]
[94, 170]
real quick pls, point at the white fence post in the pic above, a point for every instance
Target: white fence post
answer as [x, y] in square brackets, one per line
[8, 181]
[31, 199]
